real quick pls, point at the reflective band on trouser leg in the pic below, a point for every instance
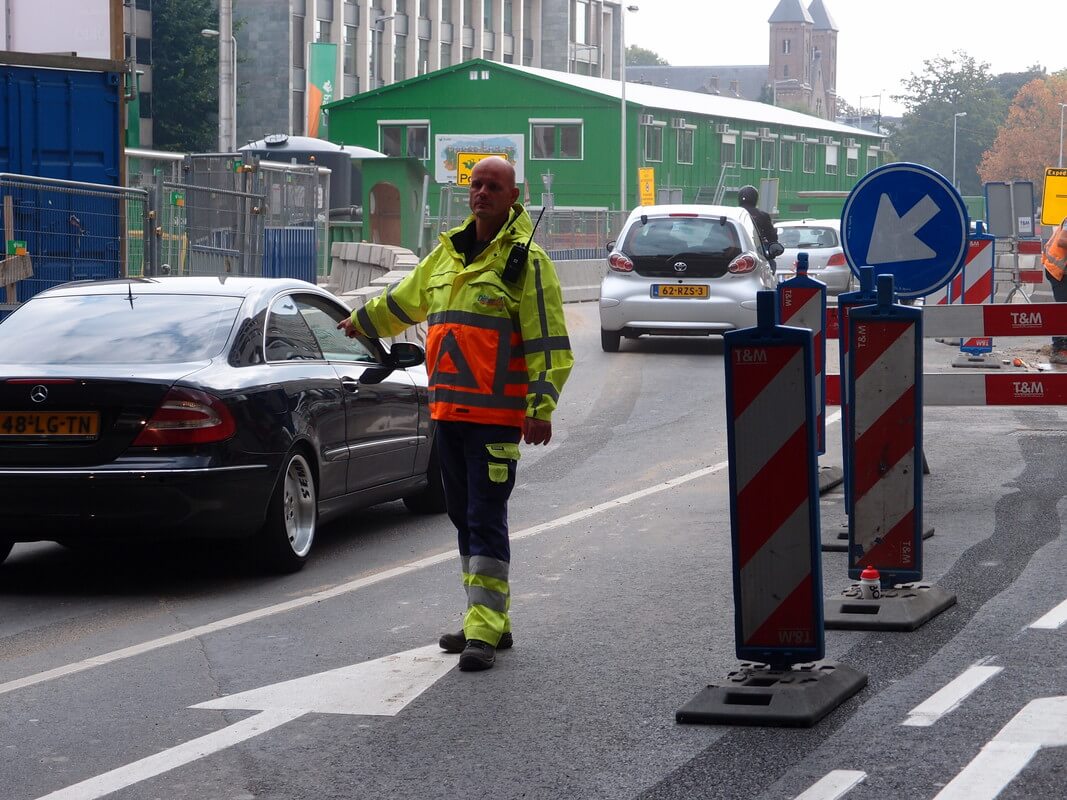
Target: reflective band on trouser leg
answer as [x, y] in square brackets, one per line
[488, 599]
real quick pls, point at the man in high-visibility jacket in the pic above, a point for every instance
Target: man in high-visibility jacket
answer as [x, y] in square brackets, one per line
[497, 354]
[1054, 259]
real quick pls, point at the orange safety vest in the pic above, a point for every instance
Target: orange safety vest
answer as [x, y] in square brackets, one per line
[1054, 254]
[477, 369]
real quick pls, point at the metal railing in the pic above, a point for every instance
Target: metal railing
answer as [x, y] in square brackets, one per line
[73, 230]
[208, 231]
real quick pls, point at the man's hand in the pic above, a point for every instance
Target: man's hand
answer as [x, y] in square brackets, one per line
[347, 326]
[536, 431]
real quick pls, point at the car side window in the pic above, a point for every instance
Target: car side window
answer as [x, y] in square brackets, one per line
[288, 336]
[322, 317]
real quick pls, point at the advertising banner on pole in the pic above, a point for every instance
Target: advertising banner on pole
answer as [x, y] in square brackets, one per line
[322, 67]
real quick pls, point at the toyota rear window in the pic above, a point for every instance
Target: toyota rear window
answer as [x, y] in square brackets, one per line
[118, 329]
[675, 235]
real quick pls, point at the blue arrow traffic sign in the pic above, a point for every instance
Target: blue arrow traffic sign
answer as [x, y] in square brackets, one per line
[908, 221]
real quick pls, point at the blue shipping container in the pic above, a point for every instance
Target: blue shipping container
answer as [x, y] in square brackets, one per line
[59, 123]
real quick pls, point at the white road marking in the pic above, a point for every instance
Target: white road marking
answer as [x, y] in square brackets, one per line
[1042, 723]
[1053, 619]
[833, 785]
[947, 699]
[173, 758]
[382, 687]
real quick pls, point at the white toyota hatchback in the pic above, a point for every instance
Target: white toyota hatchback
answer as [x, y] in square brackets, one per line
[682, 270]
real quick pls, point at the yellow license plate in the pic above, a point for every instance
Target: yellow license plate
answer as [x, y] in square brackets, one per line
[49, 425]
[678, 290]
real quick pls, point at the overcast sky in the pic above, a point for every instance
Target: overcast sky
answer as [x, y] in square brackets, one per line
[879, 43]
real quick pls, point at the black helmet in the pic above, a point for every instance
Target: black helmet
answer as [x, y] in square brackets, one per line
[747, 196]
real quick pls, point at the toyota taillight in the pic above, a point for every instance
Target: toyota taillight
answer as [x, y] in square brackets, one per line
[187, 416]
[620, 263]
[743, 263]
[836, 260]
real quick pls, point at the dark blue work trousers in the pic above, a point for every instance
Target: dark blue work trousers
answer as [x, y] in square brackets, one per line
[478, 482]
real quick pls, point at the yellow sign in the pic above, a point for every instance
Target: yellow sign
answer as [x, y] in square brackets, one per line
[646, 185]
[1054, 197]
[465, 165]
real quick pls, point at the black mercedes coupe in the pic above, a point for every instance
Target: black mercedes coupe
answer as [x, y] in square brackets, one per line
[203, 407]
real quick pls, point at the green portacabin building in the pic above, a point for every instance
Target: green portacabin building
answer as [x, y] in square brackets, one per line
[561, 131]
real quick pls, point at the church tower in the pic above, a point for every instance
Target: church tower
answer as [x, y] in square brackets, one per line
[790, 70]
[824, 44]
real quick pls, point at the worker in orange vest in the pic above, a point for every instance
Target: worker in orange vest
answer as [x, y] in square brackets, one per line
[1054, 259]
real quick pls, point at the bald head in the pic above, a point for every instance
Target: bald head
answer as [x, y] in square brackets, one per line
[492, 193]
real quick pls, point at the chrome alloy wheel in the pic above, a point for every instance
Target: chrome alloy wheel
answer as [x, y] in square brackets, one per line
[298, 506]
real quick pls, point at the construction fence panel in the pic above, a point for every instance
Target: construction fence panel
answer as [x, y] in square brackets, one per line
[74, 231]
[210, 231]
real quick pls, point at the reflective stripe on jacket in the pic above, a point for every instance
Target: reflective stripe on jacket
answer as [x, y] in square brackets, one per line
[1054, 254]
[496, 352]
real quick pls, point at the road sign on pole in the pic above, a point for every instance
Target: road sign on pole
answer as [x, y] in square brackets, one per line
[908, 221]
[777, 568]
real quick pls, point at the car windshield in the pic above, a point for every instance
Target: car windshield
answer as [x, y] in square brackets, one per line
[807, 237]
[115, 329]
[676, 235]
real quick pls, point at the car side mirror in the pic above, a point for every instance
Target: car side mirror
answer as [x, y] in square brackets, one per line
[406, 354]
[610, 246]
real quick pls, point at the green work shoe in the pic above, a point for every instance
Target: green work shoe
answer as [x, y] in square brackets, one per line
[476, 656]
[457, 642]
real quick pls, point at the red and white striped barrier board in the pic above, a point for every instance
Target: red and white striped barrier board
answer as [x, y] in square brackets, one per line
[771, 440]
[1036, 319]
[1004, 389]
[885, 508]
[977, 286]
[802, 304]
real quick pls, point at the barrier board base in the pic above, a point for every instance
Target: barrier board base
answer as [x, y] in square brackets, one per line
[976, 362]
[830, 477]
[756, 694]
[905, 607]
[834, 536]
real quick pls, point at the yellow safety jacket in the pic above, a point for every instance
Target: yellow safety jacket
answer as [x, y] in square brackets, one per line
[496, 351]
[1054, 254]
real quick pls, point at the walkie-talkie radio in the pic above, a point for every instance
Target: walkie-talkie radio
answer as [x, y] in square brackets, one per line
[518, 255]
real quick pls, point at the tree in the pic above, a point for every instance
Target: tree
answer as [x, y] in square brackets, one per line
[946, 87]
[1029, 140]
[640, 57]
[185, 76]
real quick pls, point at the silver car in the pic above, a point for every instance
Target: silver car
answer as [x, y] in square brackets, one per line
[821, 240]
[682, 270]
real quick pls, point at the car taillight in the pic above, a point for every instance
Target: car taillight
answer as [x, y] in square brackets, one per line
[836, 260]
[187, 416]
[620, 263]
[743, 263]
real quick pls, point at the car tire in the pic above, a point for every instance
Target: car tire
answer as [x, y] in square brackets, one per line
[5, 549]
[292, 518]
[431, 498]
[609, 340]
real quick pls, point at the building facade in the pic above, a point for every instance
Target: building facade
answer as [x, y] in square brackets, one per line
[381, 42]
[562, 132]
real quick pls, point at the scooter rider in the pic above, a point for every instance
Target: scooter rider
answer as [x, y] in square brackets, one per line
[747, 198]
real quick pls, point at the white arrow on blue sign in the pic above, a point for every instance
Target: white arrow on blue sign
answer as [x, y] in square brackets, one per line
[909, 221]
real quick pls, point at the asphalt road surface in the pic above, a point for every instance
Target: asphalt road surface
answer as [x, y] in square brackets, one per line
[623, 611]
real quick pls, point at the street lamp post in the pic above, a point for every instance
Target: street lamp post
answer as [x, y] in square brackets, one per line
[955, 119]
[227, 130]
[1062, 106]
[376, 62]
[622, 107]
[867, 97]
